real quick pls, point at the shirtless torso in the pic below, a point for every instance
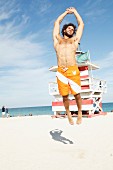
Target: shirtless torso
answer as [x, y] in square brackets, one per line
[65, 51]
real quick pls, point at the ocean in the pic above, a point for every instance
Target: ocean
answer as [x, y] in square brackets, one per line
[44, 110]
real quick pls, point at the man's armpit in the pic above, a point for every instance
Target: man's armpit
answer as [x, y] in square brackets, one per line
[76, 39]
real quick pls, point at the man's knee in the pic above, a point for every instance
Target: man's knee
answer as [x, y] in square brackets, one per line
[65, 98]
[77, 96]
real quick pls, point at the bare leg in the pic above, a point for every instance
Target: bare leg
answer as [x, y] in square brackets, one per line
[66, 105]
[79, 105]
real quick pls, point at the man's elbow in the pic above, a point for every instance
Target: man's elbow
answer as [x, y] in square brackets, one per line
[83, 24]
[56, 23]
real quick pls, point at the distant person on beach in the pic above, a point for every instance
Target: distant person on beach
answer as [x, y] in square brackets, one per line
[7, 113]
[3, 111]
[68, 75]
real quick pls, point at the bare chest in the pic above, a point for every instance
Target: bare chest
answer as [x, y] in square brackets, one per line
[66, 45]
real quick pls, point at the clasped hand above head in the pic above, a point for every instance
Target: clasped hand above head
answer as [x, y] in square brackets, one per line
[70, 10]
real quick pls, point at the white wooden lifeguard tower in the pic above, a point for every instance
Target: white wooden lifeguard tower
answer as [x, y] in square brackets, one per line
[92, 89]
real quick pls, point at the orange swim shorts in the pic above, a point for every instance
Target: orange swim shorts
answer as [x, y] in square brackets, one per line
[68, 79]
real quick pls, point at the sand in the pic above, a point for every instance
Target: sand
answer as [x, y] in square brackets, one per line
[43, 143]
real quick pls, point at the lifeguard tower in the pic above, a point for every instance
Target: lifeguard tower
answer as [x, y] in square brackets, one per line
[92, 89]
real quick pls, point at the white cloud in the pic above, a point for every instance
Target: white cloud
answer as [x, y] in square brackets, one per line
[94, 10]
[106, 73]
[7, 9]
[28, 86]
[23, 75]
[105, 62]
[44, 6]
[40, 7]
[15, 52]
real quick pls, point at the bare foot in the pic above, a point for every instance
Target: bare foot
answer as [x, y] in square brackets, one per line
[79, 118]
[70, 118]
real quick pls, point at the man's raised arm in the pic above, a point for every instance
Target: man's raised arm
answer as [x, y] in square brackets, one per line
[56, 30]
[79, 21]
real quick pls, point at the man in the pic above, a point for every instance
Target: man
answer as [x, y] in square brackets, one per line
[68, 75]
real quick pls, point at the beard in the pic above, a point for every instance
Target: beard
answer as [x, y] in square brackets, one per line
[68, 35]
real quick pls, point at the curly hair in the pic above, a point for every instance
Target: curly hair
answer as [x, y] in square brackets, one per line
[65, 27]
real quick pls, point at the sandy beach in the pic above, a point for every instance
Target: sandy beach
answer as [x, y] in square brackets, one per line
[43, 143]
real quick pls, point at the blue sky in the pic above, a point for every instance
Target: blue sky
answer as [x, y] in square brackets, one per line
[26, 46]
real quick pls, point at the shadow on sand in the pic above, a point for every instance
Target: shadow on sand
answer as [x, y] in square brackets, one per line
[56, 135]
